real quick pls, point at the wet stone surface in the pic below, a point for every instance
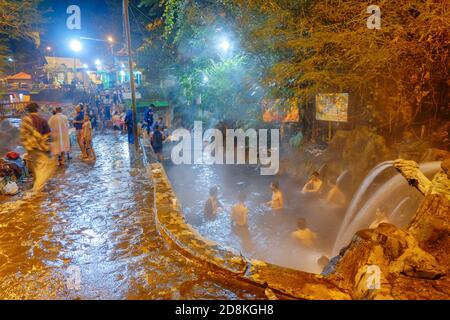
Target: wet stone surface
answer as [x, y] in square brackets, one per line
[92, 235]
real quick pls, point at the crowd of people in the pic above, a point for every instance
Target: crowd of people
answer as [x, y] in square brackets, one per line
[48, 140]
[313, 190]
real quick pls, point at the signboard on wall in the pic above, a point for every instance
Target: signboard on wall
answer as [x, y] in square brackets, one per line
[332, 107]
[280, 110]
[127, 95]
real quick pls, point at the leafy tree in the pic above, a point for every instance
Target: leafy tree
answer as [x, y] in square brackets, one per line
[396, 76]
[18, 20]
[191, 32]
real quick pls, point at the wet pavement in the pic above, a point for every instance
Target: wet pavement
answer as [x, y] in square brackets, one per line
[92, 235]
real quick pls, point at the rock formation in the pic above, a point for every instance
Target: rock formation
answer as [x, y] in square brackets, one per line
[410, 263]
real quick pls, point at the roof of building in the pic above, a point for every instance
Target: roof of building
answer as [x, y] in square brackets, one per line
[19, 76]
[68, 62]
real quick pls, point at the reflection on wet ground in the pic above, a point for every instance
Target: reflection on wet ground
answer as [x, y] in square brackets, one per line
[269, 236]
[92, 235]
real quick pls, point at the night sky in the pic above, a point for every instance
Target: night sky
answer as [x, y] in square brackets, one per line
[98, 20]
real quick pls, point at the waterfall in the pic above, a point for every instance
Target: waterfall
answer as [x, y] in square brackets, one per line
[349, 214]
[394, 212]
[341, 176]
[391, 193]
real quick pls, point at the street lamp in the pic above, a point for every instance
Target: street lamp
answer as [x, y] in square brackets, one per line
[76, 47]
[225, 45]
[111, 45]
[14, 63]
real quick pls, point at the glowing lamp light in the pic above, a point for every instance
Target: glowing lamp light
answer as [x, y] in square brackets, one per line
[122, 73]
[205, 78]
[85, 66]
[98, 62]
[225, 45]
[110, 39]
[75, 45]
[48, 48]
[10, 59]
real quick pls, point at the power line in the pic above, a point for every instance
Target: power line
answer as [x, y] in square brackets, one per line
[137, 22]
[140, 11]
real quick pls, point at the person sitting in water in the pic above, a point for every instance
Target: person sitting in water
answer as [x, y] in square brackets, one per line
[239, 212]
[212, 205]
[239, 218]
[380, 217]
[335, 196]
[323, 262]
[277, 197]
[304, 235]
[314, 184]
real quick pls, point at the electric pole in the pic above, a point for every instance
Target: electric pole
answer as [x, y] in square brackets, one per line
[130, 62]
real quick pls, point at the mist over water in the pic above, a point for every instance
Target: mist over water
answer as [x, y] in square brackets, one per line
[270, 231]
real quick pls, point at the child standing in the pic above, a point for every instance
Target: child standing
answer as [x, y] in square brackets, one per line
[157, 138]
[86, 135]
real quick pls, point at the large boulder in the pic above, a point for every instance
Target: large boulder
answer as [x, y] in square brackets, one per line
[387, 262]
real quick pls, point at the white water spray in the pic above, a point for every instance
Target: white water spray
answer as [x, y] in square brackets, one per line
[349, 214]
[385, 194]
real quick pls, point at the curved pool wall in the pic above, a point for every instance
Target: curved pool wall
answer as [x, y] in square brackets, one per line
[171, 223]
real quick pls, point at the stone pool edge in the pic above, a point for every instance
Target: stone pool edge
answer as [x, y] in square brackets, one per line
[171, 223]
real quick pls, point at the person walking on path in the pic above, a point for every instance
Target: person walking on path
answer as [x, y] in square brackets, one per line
[86, 138]
[148, 119]
[78, 124]
[129, 124]
[59, 126]
[93, 118]
[35, 135]
[157, 139]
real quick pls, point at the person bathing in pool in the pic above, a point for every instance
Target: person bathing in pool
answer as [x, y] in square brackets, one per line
[277, 201]
[213, 204]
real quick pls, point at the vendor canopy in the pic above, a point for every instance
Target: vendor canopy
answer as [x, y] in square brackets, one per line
[19, 76]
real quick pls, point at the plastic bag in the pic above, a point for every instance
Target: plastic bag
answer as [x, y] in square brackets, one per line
[11, 188]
